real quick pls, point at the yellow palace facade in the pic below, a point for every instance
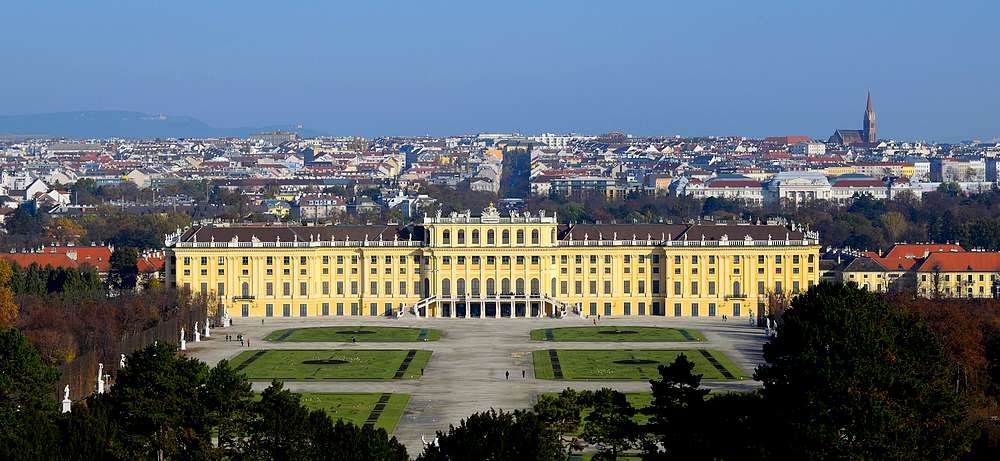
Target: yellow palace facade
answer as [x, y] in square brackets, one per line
[493, 265]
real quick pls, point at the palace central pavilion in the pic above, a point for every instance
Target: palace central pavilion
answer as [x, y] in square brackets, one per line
[493, 265]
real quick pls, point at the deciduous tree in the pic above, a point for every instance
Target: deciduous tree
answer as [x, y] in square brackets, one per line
[850, 376]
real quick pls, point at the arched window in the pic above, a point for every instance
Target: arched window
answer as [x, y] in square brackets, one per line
[505, 286]
[519, 286]
[460, 287]
[520, 236]
[427, 287]
[446, 287]
[461, 237]
[245, 289]
[736, 288]
[475, 287]
[534, 237]
[490, 237]
[505, 237]
[446, 237]
[475, 236]
[491, 287]
[535, 288]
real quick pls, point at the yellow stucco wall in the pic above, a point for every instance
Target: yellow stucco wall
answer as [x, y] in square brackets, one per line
[610, 277]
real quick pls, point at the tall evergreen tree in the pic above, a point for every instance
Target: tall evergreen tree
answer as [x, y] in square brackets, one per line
[124, 273]
[27, 406]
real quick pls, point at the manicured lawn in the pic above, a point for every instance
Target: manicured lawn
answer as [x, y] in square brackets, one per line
[356, 408]
[359, 333]
[616, 333]
[601, 364]
[287, 365]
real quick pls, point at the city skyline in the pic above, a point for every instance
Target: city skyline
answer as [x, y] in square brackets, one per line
[760, 70]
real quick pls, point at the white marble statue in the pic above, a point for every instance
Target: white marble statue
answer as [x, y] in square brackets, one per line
[100, 378]
[197, 334]
[121, 362]
[208, 333]
[67, 404]
[183, 341]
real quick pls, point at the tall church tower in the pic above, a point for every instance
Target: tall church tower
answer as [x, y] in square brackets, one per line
[868, 129]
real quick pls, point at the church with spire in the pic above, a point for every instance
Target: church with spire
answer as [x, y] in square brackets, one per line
[866, 136]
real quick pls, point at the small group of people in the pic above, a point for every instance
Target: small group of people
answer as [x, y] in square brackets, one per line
[596, 319]
[239, 338]
[507, 374]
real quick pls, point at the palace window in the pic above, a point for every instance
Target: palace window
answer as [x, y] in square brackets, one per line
[475, 237]
[534, 237]
[505, 237]
[520, 236]
[446, 237]
[490, 240]
[461, 237]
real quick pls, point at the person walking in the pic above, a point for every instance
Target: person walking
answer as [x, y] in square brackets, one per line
[523, 374]
[508, 374]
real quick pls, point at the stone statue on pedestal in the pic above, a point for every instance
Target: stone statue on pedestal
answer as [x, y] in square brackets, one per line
[67, 404]
[100, 378]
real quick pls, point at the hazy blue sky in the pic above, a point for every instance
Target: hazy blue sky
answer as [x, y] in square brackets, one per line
[426, 67]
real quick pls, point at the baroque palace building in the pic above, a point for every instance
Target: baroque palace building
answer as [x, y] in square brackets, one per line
[520, 265]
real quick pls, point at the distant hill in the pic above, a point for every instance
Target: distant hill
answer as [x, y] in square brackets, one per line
[124, 124]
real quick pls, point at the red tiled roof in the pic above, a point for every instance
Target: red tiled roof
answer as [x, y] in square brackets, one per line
[786, 139]
[973, 261]
[903, 256]
[150, 263]
[98, 257]
[42, 259]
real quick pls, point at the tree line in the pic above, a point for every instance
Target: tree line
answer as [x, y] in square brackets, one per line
[850, 375]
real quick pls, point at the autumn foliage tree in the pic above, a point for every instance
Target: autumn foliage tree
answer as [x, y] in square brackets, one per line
[8, 309]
